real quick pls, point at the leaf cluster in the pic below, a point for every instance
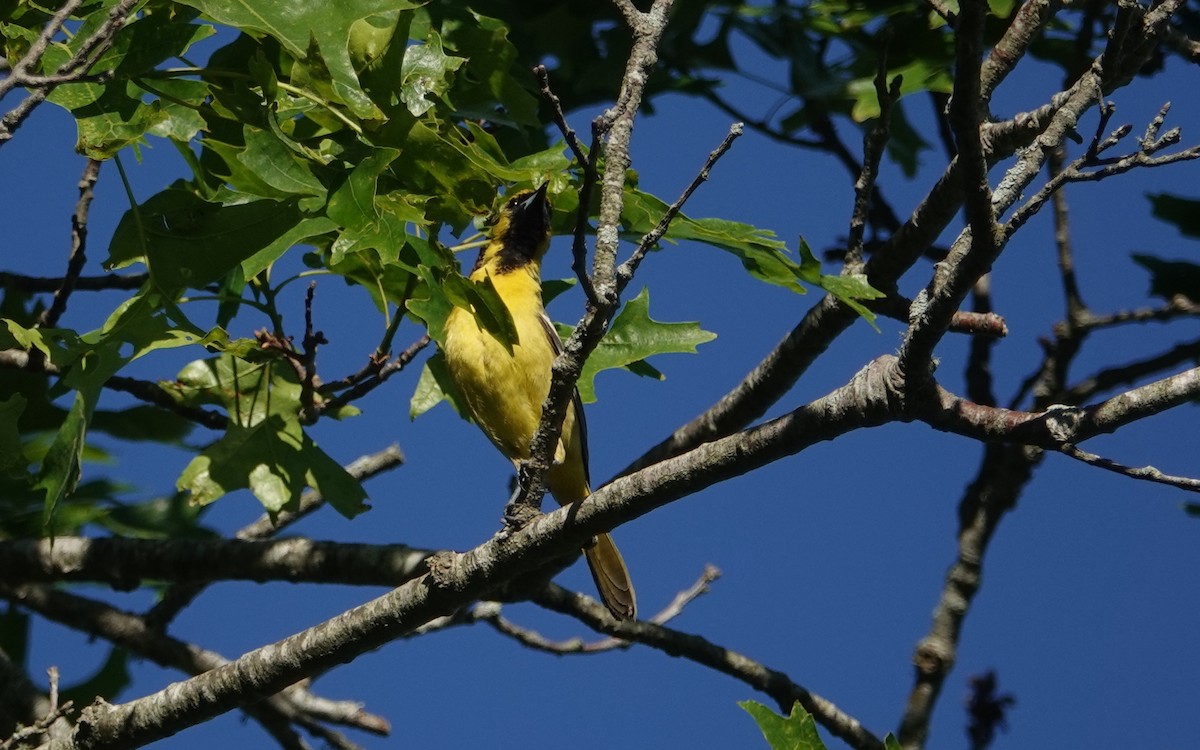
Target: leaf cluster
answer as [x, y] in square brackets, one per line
[363, 140]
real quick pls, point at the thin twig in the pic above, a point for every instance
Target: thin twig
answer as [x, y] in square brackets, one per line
[312, 340]
[616, 124]
[874, 143]
[1146, 473]
[78, 257]
[627, 269]
[560, 119]
[587, 163]
[36, 284]
[489, 612]
[18, 73]
[362, 388]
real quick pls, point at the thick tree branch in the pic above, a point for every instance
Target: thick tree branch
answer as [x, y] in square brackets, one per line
[178, 596]
[129, 631]
[126, 563]
[973, 254]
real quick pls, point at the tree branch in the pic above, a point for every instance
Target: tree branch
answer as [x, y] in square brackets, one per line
[89, 51]
[617, 124]
[781, 688]
[78, 257]
[489, 612]
[125, 563]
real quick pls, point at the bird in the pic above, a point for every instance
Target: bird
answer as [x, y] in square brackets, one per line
[503, 389]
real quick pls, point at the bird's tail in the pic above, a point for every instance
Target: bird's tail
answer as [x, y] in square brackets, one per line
[612, 578]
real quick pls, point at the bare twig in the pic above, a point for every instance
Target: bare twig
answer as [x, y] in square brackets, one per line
[560, 119]
[82, 284]
[587, 164]
[874, 144]
[1147, 473]
[979, 356]
[617, 125]
[363, 387]
[629, 267]
[489, 612]
[78, 257]
[978, 246]
[18, 73]
[142, 390]
[312, 340]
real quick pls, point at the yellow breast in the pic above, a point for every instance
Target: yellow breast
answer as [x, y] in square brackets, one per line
[504, 391]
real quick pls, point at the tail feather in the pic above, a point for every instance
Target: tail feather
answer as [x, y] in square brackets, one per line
[612, 578]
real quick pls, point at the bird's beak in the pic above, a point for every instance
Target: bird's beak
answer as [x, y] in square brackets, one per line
[538, 197]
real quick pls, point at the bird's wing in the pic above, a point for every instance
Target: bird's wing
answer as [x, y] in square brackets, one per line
[576, 401]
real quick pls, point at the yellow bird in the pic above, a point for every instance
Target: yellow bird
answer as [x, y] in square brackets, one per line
[504, 390]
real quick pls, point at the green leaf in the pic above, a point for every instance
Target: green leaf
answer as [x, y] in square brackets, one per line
[919, 75]
[1184, 213]
[276, 460]
[761, 254]
[186, 241]
[476, 297]
[554, 287]
[296, 25]
[305, 230]
[634, 336]
[848, 288]
[173, 517]
[489, 86]
[145, 423]
[891, 743]
[795, 732]
[276, 164]
[264, 448]
[113, 115]
[1169, 278]
[426, 73]
[60, 469]
[434, 386]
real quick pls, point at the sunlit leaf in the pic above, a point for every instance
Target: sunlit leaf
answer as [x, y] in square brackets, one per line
[795, 732]
[426, 74]
[632, 338]
[295, 25]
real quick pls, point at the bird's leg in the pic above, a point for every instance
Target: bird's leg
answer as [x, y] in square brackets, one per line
[519, 510]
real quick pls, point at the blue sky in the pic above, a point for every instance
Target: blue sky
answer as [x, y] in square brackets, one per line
[832, 559]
